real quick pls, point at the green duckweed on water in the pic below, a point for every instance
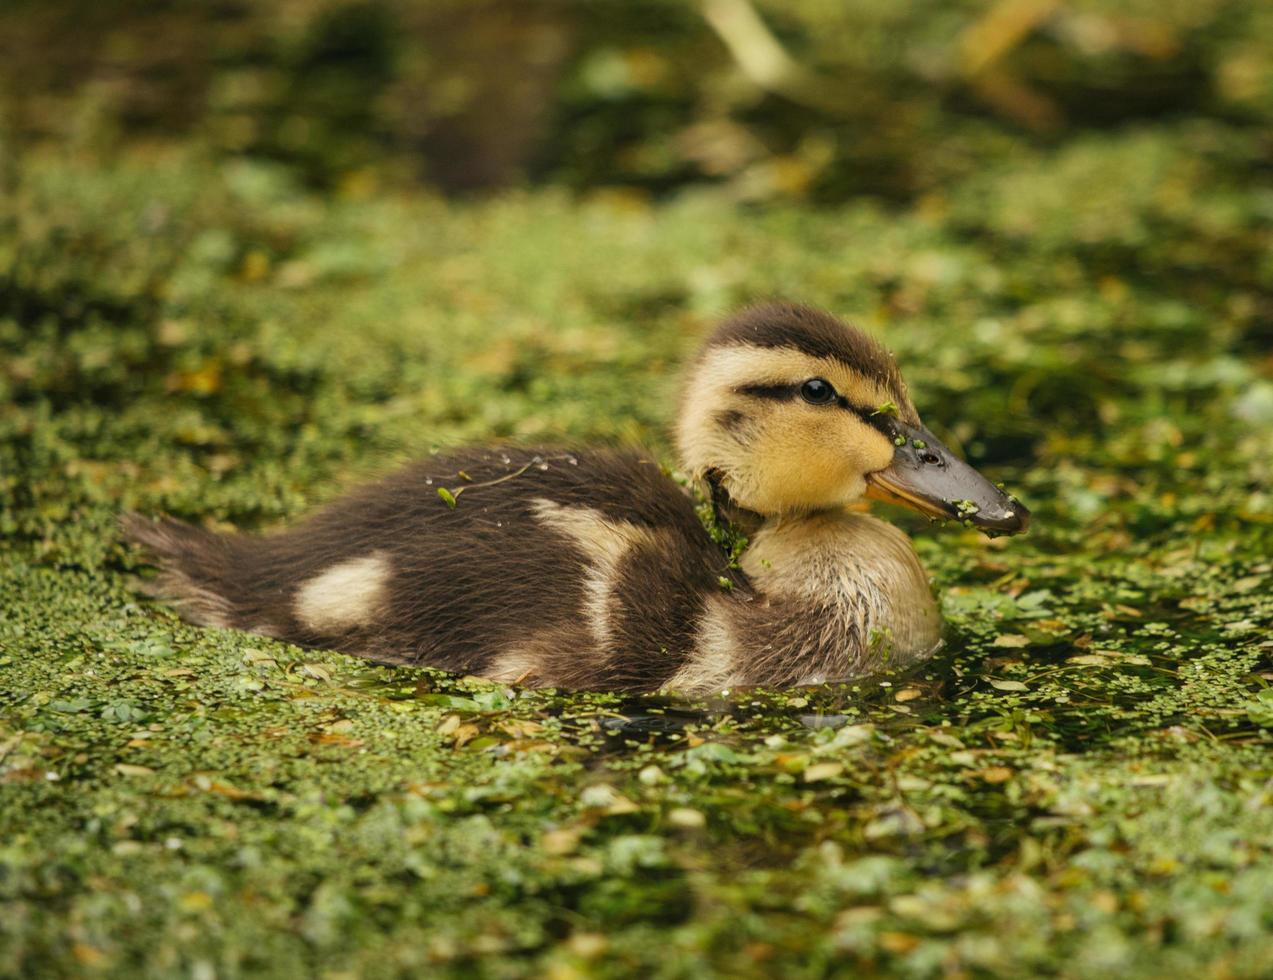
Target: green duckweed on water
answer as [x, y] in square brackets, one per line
[1079, 785]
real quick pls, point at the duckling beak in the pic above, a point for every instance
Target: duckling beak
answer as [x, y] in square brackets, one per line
[929, 478]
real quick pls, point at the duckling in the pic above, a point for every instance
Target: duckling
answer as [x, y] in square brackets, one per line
[590, 568]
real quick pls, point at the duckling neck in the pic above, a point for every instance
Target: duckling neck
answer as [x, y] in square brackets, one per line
[853, 570]
[727, 512]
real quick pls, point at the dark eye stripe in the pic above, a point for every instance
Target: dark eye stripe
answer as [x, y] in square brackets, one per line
[880, 421]
[772, 392]
[876, 420]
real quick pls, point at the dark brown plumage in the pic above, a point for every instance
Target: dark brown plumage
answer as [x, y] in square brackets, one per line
[471, 581]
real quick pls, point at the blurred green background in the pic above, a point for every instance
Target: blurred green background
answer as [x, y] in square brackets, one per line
[804, 99]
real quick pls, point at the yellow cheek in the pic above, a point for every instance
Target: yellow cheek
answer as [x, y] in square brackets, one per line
[873, 453]
[808, 462]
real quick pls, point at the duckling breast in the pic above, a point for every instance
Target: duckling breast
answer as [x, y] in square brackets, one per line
[864, 576]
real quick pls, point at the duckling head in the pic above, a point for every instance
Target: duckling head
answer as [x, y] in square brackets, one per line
[790, 410]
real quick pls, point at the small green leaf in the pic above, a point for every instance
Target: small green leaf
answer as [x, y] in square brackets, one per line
[447, 496]
[713, 752]
[1260, 711]
[72, 707]
[123, 711]
[888, 408]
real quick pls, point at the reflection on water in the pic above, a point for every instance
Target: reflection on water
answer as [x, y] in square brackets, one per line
[610, 724]
[1145, 678]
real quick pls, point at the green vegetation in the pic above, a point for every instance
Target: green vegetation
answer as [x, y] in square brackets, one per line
[1079, 786]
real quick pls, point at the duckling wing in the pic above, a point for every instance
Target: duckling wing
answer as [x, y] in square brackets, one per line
[575, 569]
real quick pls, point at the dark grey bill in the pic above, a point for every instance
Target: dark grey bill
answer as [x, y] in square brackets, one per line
[929, 478]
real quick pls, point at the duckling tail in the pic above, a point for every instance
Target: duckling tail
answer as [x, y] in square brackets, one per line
[195, 567]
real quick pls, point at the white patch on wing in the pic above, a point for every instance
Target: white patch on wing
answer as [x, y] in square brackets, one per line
[713, 666]
[604, 542]
[347, 595]
[513, 667]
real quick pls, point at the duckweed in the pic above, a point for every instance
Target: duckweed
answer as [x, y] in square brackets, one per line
[1077, 785]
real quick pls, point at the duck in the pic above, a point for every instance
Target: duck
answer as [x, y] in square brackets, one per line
[597, 569]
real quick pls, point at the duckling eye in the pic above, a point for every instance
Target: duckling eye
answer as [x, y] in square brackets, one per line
[817, 391]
